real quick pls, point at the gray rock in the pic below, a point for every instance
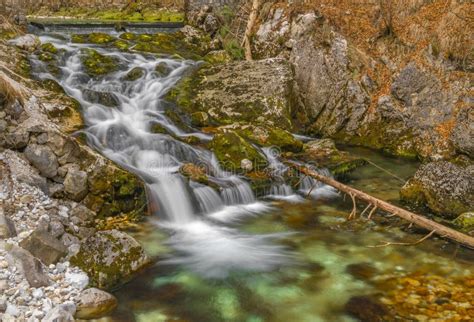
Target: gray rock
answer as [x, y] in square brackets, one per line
[44, 246]
[56, 228]
[75, 184]
[94, 304]
[3, 305]
[447, 189]
[82, 216]
[56, 190]
[463, 133]
[103, 98]
[7, 228]
[30, 267]
[61, 313]
[26, 42]
[17, 139]
[43, 159]
[110, 258]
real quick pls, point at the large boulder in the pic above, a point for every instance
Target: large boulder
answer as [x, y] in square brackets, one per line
[43, 159]
[110, 258]
[44, 246]
[28, 265]
[463, 133]
[446, 188]
[241, 91]
[94, 304]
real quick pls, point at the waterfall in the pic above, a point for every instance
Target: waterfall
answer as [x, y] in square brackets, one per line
[196, 215]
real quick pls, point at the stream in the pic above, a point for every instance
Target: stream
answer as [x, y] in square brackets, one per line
[227, 255]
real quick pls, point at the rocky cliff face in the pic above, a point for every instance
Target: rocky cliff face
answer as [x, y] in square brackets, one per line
[385, 93]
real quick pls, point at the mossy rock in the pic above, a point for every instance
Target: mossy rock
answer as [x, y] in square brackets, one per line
[128, 36]
[46, 57]
[121, 192]
[258, 92]
[122, 45]
[97, 38]
[200, 119]
[324, 153]
[270, 136]
[134, 74]
[97, 64]
[162, 69]
[442, 186]
[52, 85]
[230, 149]
[168, 44]
[218, 57]
[194, 173]
[465, 221]
[110, 258]
[49, 48]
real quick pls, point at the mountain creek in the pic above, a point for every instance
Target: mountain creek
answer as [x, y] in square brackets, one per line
[222, 253]
[158, 162]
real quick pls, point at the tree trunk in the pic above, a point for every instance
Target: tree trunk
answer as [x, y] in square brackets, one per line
[248, 30]
[421, 221]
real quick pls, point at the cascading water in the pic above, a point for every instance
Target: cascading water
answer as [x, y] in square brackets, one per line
[197, 215]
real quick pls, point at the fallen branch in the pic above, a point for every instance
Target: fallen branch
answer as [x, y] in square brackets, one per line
[421, 221]
[419, 241]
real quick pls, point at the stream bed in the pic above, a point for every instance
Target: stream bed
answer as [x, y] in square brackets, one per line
[226, 255]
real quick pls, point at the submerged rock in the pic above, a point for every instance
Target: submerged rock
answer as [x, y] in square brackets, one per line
[367, 309]
[230, 149]
[94, 304]
[103, 98]
[257, 92]
[110, 258]
[134, 74]
[444, 187]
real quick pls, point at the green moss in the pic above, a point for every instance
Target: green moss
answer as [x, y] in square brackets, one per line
[217, 57]
[52, 85]
[465, 221]
[98, 38]
[97, 64]
[46, 57]
[49, 48]
[128, 36]
[122, 45]
[230, 149]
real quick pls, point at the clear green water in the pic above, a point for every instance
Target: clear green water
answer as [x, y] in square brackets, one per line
[332, 262]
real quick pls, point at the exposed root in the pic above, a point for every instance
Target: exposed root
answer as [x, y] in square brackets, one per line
[372, 212]
[365, 209]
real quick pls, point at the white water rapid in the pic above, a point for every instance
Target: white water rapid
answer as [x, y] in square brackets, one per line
[200, 219]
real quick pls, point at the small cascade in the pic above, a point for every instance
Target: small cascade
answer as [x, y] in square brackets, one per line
[120, 116]
[317, 189]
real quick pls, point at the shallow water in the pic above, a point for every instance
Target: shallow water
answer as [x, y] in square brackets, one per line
[225, 255]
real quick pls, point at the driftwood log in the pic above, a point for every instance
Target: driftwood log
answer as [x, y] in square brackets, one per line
[434, 227]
